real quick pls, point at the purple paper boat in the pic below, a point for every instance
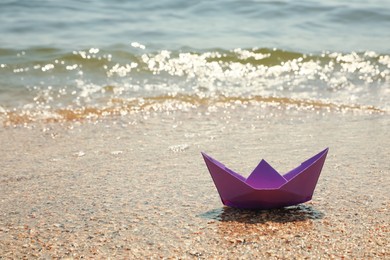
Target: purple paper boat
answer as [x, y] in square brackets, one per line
[265, 188]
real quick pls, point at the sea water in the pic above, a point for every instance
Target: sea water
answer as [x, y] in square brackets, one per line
[67, 59]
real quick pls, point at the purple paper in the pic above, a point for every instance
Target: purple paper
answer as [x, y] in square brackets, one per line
[265, 188]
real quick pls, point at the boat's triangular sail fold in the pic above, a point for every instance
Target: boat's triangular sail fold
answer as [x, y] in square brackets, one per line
[265, 177]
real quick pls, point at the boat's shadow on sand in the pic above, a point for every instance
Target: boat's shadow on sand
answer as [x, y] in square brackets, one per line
[283, 215]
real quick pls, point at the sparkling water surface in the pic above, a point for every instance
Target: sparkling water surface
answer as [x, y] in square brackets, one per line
[123, 56]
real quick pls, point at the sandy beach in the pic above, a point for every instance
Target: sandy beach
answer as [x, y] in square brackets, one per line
[106, 106]
[136, 186]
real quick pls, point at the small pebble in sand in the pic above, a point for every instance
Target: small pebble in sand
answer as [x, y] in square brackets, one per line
[79, 154]
[116, 152]
[179, 148]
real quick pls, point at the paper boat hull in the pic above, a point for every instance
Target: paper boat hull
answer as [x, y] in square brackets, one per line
[264, 199]
[297, 186]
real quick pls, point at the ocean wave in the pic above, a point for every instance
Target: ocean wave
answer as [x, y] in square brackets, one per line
[50, 79]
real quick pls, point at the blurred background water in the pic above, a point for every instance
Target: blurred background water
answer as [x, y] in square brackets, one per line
[120, 56]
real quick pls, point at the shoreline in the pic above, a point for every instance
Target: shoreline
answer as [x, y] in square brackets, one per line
[176, 103]
[133, 186]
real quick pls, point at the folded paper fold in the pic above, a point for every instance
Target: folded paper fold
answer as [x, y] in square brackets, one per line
[265, 188]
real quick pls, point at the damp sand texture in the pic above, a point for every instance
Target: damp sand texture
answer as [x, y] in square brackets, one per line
[137, 187]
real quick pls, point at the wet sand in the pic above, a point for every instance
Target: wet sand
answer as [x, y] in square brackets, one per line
[136, 186]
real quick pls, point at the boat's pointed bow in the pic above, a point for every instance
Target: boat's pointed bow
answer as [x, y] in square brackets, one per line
[228, 183]
[303, 179]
